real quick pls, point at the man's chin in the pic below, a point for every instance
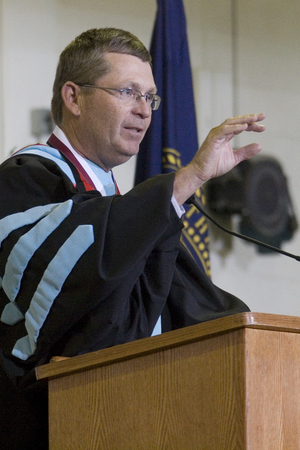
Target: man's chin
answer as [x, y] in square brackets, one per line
[131, 151]
[125, 156]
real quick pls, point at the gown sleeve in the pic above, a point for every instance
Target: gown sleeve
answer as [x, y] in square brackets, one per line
[79, 271]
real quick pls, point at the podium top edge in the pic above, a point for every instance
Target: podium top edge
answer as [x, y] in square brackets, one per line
[183, 336]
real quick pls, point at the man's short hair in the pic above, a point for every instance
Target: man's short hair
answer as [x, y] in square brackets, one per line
[82, 61]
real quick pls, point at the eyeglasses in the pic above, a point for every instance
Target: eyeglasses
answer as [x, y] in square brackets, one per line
[129, 95]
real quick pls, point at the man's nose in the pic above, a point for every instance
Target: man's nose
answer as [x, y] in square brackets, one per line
[142, 108]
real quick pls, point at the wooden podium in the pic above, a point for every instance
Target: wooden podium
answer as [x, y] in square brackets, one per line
[231, 383]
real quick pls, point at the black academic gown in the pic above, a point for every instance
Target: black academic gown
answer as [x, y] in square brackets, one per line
[128, 268]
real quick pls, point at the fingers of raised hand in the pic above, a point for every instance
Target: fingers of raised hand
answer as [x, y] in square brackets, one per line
[236, 125]
[246, 118]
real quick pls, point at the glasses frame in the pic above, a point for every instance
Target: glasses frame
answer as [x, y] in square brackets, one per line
[154, 104]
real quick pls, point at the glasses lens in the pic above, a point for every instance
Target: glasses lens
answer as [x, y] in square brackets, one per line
[155, 102]
[129, 95]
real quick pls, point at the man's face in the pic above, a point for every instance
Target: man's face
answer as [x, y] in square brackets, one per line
[109, 130]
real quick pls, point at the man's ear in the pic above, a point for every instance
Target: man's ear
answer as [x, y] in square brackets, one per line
[70, 94]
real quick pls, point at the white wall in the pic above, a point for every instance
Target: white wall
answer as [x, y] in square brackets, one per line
[268, 80]
[28, 62]
[33, 33]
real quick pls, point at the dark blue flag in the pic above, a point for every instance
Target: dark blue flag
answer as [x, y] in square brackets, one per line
[171, 141]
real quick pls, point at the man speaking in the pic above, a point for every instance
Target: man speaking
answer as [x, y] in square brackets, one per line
[83, 267]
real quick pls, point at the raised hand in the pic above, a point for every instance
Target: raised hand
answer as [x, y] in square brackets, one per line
[216, 157]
